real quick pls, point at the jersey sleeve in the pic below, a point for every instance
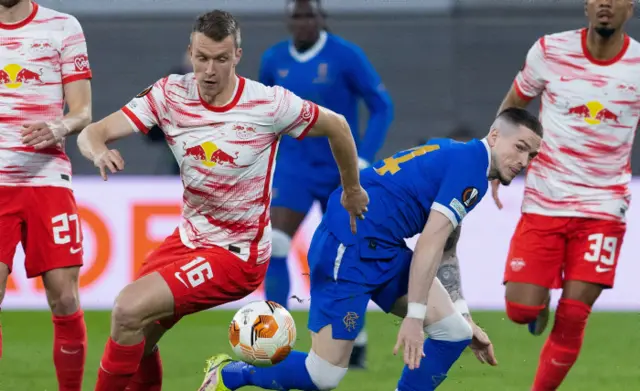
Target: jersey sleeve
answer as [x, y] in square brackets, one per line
[75, 60]
[293, 115]
[144, 110]
[531, 79]
[460, 190]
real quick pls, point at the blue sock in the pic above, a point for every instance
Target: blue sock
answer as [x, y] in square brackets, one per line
[290, 374]
[439, 356]
[277, 283]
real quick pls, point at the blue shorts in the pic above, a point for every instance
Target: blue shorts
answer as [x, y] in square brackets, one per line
[298, 190]
[342, 283]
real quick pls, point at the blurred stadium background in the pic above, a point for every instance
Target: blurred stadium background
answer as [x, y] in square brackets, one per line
[446, 63]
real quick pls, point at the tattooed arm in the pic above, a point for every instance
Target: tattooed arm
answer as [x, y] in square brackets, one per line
[449, 273]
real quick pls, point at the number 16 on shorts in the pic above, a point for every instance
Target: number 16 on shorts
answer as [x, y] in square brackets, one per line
[196, 272]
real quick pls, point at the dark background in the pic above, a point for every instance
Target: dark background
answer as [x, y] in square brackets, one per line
[443, 71]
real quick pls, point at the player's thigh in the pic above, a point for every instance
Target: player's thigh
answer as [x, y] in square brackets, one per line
[391, 295]
[536, 256]
[142, 302]
[593, 250]
[53, 235]
[336, 299]
[207, 278]
[12, 217]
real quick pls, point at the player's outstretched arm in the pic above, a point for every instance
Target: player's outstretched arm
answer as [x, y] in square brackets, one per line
[93, 140]
[449, 275]
[427, 255]
[335, 127]
[46, 134]
[424, 265]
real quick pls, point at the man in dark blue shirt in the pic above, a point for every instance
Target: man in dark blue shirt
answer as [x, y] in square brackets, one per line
[330, 71]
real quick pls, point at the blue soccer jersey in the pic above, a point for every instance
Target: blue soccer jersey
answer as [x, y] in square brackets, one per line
[347, 270]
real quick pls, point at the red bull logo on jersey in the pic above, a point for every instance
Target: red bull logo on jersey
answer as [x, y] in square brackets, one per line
[14, 76]
[209, 155]
[594, 113]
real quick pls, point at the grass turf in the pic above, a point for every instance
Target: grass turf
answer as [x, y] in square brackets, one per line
[608, 359]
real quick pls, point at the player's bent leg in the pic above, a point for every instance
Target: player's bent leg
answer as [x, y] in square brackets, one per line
[562, 348]
[285, 223]
[149, 374]
[321, 369]
[4, 277]
[528, 304]
[449, 333]
[534, 266]
[139, 304]
[69, 328]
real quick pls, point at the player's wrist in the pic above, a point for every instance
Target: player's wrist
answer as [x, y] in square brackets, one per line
[59, 129]
[352, 189]
[417, 311]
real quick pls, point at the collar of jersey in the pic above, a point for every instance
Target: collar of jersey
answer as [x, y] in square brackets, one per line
[313, 50]
[23, 22]
[488, 148]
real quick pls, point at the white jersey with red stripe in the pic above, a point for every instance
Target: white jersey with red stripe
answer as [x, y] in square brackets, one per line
[226, 156]
[589, 110]
[38, 56]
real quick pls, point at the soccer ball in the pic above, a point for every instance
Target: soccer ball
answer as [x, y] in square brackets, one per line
[262, 333]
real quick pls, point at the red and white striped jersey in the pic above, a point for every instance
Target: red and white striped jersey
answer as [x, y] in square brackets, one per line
[38, 56]
[226, 156]
[589, 110]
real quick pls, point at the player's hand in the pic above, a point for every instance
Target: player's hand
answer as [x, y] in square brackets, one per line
[411, 340]
[109, 160]
[355, 202]
[44, 134]
[481, 346]
[495, 184]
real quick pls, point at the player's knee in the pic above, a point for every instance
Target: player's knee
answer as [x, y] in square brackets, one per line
[66, 302]
[521, 313]
[324, 375]
[280, 244]
[453, 328]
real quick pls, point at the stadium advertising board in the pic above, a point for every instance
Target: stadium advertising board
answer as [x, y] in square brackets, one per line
[125, 218]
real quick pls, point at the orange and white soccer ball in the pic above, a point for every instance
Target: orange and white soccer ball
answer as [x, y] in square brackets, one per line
[262, 333]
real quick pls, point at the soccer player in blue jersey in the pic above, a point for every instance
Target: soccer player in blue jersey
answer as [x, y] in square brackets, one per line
[426, 190]
[330, 71]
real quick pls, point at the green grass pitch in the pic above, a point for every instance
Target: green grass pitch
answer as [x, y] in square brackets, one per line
[609, 358]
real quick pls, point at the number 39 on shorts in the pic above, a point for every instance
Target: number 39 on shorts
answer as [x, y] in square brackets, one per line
[391, 164]
[602, 249]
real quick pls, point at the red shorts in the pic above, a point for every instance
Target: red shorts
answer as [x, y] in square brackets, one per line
[201, 278]
[548, 250]
[45, 220]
